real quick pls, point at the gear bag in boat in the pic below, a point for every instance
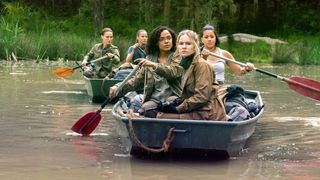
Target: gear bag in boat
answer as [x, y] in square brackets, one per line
[237, 107]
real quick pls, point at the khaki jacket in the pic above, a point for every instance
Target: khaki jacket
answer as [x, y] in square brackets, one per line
[144, 79]
[199, 92]
[105, 66]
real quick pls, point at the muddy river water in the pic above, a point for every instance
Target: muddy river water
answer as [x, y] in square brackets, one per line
[37, 110]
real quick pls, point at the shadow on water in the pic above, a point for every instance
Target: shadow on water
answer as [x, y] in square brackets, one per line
[183, 155]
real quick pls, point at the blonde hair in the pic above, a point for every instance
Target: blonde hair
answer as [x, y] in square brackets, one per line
[139, 32]
[192, 35]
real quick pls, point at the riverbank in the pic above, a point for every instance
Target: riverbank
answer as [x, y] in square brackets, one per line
[71, 46]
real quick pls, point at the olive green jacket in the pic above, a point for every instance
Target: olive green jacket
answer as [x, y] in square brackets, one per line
[144, 79]
[105, 66]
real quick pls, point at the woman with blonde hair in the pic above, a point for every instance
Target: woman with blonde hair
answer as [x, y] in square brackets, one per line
[138, 49]
[198, 97]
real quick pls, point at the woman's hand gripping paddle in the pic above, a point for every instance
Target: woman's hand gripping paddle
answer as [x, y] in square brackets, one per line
[87, 123]
[304, 86]
[65, 71]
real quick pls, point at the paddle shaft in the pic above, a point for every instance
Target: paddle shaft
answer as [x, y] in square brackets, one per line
[98, 59]
[97, 113]
[242, 64]
[308, 89]
[127, 78]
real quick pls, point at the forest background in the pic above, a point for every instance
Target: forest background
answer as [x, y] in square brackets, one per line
[67, 29]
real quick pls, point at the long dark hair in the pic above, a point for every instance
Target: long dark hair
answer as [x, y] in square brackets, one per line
[152, 45]
[104, 30]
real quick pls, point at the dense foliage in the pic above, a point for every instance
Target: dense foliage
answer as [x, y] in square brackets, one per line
[59, 28]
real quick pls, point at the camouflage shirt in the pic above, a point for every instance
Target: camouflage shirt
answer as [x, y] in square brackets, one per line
[105, 66]
[145, 80]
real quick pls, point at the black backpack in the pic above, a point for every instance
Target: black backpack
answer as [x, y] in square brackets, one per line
[237, 106]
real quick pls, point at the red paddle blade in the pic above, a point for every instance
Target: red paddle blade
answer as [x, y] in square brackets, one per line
[304, 86]
[63, 72]
[87, 123]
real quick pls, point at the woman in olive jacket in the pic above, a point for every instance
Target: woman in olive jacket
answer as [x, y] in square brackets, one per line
[159, 76]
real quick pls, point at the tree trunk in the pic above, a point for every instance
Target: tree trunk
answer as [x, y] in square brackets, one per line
[97, 16]
[140, 10]
[166, 9]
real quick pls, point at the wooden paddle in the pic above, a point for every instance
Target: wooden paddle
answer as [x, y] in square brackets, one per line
[90, 121]
[65, 71]
[304, 86]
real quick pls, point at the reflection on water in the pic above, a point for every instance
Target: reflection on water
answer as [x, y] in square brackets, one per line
[37, 110]
[62, 92]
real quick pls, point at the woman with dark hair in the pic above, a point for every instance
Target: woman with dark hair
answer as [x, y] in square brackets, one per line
[210, 40]
[101, 69]
[159, 76]
[168, 39]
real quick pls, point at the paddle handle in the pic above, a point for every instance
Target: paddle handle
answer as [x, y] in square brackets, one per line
[127, 78]
[98, 59]
[89, 124]
[104, 104]
[243, 64]
[303, 86]
[268, 73]
[119, 88]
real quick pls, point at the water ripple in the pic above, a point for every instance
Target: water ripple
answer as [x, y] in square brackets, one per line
[309, 121]
[18, 73]
[62, 92]
[92, 134]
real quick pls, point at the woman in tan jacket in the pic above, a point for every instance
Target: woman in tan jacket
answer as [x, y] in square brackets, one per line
[198, 99]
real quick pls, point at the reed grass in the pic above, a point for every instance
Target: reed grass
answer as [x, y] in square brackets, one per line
[309, 52]
[53, 44]
[249, 52]
[303, 51]
[9, 32]
[285, 53]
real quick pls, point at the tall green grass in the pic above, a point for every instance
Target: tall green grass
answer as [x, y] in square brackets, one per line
[285, 53]
[9, 33]
[51, 45]
[309, 52]
[123, 44]
[47, 43]
[54, 45]
[300, 50]
[253, 52]
[29, 36]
